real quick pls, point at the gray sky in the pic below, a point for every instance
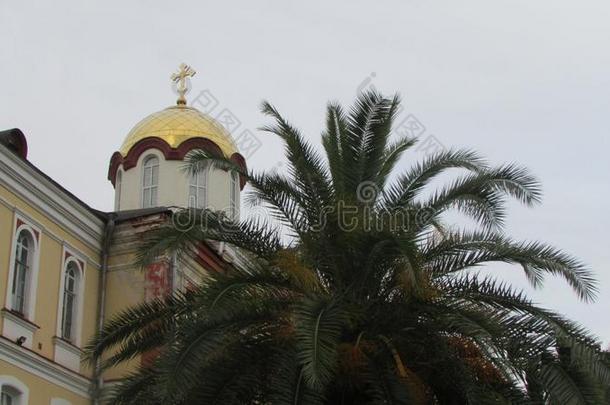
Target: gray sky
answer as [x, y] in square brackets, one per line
[518, 81]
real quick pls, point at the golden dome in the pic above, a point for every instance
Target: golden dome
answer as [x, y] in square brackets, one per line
[177, 124]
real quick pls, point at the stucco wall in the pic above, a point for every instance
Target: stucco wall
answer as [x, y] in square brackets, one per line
[54, 238]
[41, 392]
[124, 289]
[173, 186]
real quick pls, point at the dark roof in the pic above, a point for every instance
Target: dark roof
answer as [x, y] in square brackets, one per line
[6, 136]
[126, 215]
[14, 140]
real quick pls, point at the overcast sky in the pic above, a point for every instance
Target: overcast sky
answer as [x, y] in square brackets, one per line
[518, 81]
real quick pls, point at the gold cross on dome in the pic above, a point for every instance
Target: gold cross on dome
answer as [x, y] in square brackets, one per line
[180, 77]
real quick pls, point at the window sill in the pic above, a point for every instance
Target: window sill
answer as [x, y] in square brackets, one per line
[20, 319]
[67, 344]
[67, 354]
[15, 327]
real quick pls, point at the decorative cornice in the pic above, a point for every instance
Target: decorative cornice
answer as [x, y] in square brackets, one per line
[44, 368]
[18, 176]
[169, 153]
[45, 231]
[19, 319]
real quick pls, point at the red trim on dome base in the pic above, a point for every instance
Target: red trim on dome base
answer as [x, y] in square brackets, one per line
[169, 153]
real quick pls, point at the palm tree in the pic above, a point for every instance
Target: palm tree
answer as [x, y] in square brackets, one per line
[371, 298]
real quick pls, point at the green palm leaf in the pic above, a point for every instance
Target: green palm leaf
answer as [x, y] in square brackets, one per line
[374, 299]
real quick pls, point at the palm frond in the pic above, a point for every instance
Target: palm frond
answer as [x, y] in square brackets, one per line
[318, 329]
[460, 251]
[372, 300]
[411, 182]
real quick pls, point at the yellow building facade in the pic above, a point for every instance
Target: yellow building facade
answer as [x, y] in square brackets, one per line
[65, 268]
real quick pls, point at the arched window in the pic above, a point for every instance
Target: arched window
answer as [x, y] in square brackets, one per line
[117, 190]
[234, 195]
[198, 187]
[10, 396]
[24, 254]
[13, 391]
[150, 182]
[70, 298]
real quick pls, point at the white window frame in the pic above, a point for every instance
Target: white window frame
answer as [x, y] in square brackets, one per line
[29, 310]
[15, 385]
[153, 186]
[24, 251]
[118, 184]
[70, 300]
[194, 179]
[234, 195]
[70, 256]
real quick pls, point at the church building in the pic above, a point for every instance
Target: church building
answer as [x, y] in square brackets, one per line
[66, 268]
